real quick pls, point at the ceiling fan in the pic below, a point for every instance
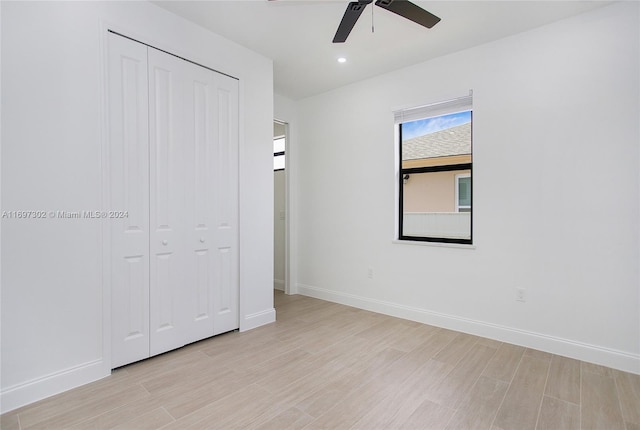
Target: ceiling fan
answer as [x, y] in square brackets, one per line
[404, 8]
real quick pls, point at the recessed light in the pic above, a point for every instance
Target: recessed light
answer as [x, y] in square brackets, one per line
[342, 60]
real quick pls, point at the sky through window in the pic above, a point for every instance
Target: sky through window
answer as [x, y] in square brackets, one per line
[430, 125]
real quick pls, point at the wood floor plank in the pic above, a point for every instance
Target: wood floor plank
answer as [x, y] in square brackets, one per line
[190, 375]
[292, 418]
[480, 407]
[9, 421]
[632, 426]
[233, 410]
[185, 403]
[47, 408]
[364, 363]
[163, 363]
[362, 399]
[451, 390]
[245, 351]
[628, 386]
[403, 402]
[428, 349]
[556, 414]
[564, 379]
[312, 310]
[600, 405]
[346, 381]
[597, 369]
[281, 362]
[387, 327]
[287, 371]
[489, 342]
[534, 353]
[120, 415]
[355, 352]
[317, 403]
[504, 364]
[67, 415]
[522, 401]
[457, 348]
[411, 337]
[155, 419]
[428, 415]
[353, 406]
[337, 376]
[338, 329]
[193, 389]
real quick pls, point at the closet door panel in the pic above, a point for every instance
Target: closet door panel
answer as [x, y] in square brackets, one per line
[166, 197]
[128, 191]
[225, 183]
[199, 152]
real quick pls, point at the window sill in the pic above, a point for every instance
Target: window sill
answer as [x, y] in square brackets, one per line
[433, 244]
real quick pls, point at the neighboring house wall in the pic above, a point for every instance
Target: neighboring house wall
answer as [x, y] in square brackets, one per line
[553, 107]
[431, 192]
[55, 297]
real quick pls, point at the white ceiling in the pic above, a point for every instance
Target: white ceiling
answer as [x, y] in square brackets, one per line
[297, 34]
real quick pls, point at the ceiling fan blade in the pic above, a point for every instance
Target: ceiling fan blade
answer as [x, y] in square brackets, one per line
[351, 15]
[408, 10]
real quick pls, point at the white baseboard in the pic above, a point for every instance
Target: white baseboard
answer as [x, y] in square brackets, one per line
[278, 284]
[258, 319]
[620, 360]
[31, 391]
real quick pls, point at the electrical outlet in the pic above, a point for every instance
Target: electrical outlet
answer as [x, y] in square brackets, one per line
[370, 273]
[521, 294]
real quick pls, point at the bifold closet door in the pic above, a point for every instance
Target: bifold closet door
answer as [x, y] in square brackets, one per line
[129, 191]
[173, 158]
[211, 208]
[193, 194]
[168, 122]
[225, 179]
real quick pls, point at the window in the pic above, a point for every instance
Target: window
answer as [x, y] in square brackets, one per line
[435, 172]
[463, 192]
[278, 153]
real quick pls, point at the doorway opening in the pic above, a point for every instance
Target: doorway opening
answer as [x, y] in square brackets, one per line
[280, 216]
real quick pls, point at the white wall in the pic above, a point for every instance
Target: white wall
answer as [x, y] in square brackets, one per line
[556, 192]
[55, 301]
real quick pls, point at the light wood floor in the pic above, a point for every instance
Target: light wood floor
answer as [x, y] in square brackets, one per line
[324, 365]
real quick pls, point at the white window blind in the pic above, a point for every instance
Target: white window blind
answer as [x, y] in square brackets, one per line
[459, 104]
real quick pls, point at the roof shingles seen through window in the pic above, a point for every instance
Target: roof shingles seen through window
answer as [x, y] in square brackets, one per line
[451, 141]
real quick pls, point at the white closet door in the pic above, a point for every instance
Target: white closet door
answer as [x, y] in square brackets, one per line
[128, 191]
[199, 194]
[211, 209]
[174, 168]
[225, 183]
[167, 201]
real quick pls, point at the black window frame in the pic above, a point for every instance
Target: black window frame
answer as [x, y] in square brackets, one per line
[430, 169]
[279, 153]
